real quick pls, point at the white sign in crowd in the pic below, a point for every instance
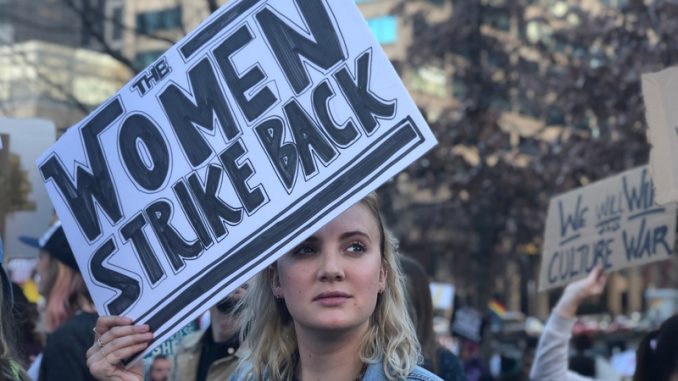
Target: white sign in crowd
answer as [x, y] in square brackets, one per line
[615, 223]
[255, 130]
[660, 92]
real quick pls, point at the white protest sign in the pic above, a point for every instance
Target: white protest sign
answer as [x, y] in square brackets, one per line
[468, 323]
[660, 92]
[614, 223]
[25, 141]
[442, 295]
[248, 135]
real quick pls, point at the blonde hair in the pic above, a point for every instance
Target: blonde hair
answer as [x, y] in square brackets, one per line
[268, 329]
[10, 369]
[64, 297]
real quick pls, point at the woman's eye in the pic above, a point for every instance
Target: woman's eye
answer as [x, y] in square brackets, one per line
[357, 247]
[303, 250]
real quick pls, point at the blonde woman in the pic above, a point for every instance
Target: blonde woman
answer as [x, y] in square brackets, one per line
[333, 308]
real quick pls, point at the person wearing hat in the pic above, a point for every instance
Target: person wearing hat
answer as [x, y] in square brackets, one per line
[10, 369]
[212, 354]
[69, 315]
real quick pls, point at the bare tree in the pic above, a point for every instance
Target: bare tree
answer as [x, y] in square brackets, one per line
[549, 102]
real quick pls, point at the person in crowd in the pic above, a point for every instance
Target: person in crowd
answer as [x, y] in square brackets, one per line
[211, 355]
[582, 362]
[27, 341]
[420, 305]
[333, 308]
[69, 315]
[473, 364]
[528, 357]
[657, 354]
[10, 368]
[160, 369]
[551, 359]
[25, 314]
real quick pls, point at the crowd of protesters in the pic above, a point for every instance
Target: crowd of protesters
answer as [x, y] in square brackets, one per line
[342, 305]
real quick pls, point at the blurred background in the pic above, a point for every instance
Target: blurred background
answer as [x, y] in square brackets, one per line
[528, 98]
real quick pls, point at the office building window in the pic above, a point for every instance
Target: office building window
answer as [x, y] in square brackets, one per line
[92, 21]
[385, 29]
[116, 19]
[142, 60]
[166, 19]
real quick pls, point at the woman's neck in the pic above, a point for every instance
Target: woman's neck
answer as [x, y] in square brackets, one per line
[333, 356]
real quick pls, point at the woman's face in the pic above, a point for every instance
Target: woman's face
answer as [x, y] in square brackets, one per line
[332, 279]
[47, 270]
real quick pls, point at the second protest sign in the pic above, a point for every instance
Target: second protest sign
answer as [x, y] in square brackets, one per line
[614, 223]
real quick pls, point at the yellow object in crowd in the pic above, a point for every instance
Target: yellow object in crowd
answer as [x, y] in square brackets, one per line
[30, 289]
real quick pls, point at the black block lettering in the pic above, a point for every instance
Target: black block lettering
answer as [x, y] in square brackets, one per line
[288, 45]
[259, 102]
[308, 138]
[89, 186]
[138, 129]
[214, 209]
[284, 157]
[251, 199]
[344, 135]
[176, 248]
[129, 288]
[367, 106]
[192, 213]
[133, 231]
[183, 113]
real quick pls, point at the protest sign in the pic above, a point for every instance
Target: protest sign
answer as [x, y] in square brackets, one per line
[26, 140]
[614, 223]
[442, 295]
[660, 92]
[468, 323]
[170, 347]
[255, 130]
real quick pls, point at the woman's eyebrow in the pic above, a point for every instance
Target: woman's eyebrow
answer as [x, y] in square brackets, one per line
[354, 233]
[311, 239]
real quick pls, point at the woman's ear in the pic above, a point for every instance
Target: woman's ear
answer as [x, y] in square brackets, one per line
[383, 275]
[274, 281]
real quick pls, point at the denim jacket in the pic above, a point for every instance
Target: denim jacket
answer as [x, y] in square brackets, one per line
[375, 372]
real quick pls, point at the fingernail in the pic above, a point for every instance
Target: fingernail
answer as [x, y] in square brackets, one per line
[148, 335]
[142, 328]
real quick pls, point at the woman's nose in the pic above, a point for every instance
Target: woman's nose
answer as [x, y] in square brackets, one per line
[331, 268]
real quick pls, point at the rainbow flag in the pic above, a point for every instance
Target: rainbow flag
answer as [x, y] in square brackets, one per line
[497, 308]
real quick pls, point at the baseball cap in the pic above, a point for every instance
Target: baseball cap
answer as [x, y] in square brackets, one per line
[55, 243]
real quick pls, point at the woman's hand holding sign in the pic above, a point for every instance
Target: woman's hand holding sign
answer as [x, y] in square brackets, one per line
[116, 339]
[551, 358]
[578, 291]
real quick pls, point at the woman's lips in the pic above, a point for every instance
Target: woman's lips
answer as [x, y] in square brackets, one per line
[332, 298]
